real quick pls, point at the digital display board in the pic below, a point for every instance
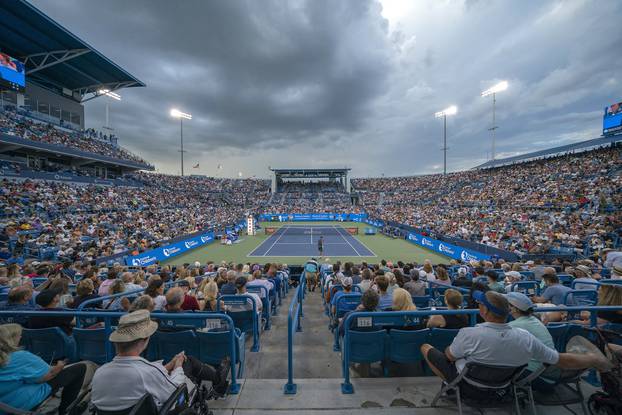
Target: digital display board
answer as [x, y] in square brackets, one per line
[12, 72]
[612, 120]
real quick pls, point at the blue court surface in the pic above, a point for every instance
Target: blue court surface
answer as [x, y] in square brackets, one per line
[301, 241]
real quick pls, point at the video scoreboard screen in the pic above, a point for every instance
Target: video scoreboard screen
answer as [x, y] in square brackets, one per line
[612, 120]
[12, 73]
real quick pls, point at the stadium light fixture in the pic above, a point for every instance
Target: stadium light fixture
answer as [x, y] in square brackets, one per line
[175, 113]
[443, 114]
[501, 86]
[178, 114]
[447, 111]
[110, 94]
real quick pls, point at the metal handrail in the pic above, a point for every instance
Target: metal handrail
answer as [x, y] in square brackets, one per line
[294, 317]
[109, 315]
[399, 317]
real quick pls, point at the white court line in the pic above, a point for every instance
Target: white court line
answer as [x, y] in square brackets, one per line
[340, 234]
[307, 243]
[263, 242]
[373, 254]
[277, 239]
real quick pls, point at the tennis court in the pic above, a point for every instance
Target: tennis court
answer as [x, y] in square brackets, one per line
[301, 241]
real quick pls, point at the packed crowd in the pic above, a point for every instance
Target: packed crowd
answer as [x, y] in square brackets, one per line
[88, 222]
[525, 208]
[23, 127]
[48, 288]
[498, 340]
[197, 287]
[314, 197]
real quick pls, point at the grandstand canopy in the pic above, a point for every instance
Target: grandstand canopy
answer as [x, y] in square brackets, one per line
[54, 57]
[555, 151]
[310, 173]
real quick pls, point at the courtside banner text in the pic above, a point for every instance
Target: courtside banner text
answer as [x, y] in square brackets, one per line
[445, 248]
[169, 251]
[306, 217]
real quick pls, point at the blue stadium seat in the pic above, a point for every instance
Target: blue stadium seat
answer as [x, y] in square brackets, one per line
[404, 345]
[581, 297]
[558, 332]
[529, 288]
[442, 338]
[423, 301]
[565, 279]
[367, 347]
[214, 346]
[91, 345]
[50, 344]
[171, 343]
[529, 275]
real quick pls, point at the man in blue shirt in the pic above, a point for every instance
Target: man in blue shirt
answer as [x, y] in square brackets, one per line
[554, 293]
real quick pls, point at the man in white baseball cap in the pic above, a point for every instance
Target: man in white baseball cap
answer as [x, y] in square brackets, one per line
[120, 384]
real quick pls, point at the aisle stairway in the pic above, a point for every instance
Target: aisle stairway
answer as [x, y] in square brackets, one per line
[314, 356]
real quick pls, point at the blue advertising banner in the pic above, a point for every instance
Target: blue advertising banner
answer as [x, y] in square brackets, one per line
[169, 251]
[315, 217]
[445, 248]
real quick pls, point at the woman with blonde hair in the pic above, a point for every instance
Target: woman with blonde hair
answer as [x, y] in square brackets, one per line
[210, 297]
[27, 380]
[610, 295]
[402, 300]
[429, 271]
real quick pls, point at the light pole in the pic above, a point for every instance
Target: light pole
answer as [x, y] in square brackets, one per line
[112, 95]
[501, 86]
[443, 114]
[175, 113]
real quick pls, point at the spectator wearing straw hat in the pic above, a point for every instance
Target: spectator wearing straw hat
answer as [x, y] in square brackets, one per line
[120, 384]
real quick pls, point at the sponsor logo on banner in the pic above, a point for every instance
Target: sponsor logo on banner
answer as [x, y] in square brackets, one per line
[466, 256]
[190, 244]
[413, 237]
[205, 239]
[427, 242]
[166, 252]
[445, 249]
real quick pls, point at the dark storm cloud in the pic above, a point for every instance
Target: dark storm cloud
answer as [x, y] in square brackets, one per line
[332, 83]
[250, 72]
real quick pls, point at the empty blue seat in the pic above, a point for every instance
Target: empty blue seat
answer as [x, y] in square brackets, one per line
[526, 287]
[50, 344]
[366, 347]
[91, 345]
[404, 345]
[171, 343]
[214, 345]
[423, 301]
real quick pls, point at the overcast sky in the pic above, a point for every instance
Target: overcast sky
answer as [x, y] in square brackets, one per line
[332, 83]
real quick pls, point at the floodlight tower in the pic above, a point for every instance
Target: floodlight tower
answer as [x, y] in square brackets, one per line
[501, 86]
[175, 113]
[443, 114]
[112, 95]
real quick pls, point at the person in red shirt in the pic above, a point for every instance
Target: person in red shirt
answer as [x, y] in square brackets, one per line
[190, 303]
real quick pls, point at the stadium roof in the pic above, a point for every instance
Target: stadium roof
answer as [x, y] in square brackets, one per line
[54, 57]
[581, 146]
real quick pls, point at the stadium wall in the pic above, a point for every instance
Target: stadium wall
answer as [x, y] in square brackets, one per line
[48, 103]
[312, 217]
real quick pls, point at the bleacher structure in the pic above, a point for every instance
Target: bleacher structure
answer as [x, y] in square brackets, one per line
[63, 72]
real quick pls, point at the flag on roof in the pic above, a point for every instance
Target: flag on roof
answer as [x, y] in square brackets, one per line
[196, 166]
